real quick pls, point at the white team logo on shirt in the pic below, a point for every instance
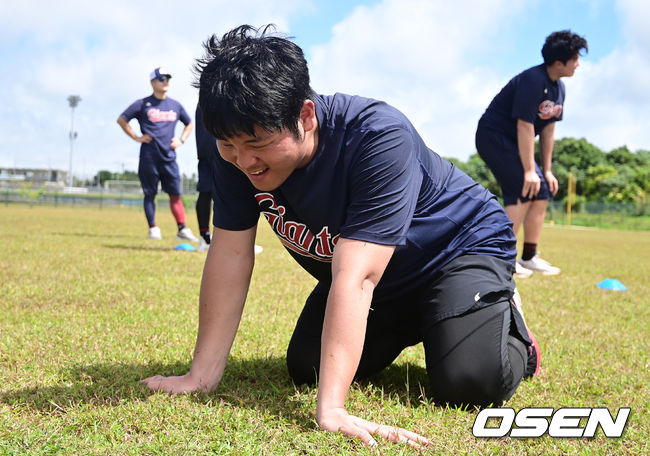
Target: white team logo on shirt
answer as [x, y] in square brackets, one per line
[548, 109]
[156, 115]
[294, 235]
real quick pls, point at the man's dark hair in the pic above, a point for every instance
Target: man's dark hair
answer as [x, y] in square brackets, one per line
[562, 46]
[251, 77]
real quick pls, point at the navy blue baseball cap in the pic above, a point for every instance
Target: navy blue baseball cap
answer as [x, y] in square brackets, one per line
[158, 72]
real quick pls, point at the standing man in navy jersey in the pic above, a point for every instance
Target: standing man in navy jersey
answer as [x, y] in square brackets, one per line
[529, 105]
[405, 247]
[157, 115]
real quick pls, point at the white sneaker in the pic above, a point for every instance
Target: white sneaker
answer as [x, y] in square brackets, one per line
[258, 249]
[521, 272]
[186, 235]
[154, 233]
[536, 264]
[203, 246]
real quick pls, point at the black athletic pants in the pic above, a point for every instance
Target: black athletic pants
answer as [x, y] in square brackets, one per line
[475, 358]
[203, 207]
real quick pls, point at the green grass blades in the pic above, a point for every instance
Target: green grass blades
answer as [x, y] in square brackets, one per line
[89, 306]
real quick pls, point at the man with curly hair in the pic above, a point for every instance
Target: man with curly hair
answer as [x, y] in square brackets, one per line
[406, 248]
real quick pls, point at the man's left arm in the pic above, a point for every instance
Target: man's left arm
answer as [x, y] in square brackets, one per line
[357, 267]
[178, 142]
[546, 143]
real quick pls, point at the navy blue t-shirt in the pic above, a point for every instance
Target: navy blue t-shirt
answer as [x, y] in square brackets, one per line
[373, 179]
[157, 118]
[530, 96]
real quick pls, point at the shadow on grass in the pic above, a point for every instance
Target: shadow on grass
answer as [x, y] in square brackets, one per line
[252, 383]
[95, 384]
[146, 248]
[153, 248]
[90, 235]
[407, 383]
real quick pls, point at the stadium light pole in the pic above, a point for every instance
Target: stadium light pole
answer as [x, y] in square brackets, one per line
[73, 100]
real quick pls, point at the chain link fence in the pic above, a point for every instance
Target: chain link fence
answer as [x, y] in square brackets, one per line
[635, 216]
[116, 193]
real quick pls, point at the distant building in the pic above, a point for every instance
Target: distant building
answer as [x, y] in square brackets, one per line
[49, 177]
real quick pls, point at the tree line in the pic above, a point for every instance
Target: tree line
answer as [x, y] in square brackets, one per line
[617, 176]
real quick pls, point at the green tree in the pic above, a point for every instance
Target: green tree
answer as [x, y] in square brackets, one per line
[624, 188]
[643, 157]
[129, 176]
[599, 182]
[621, 156]
[576, 156]
[617, 176]
[102, 176]
[31, 192]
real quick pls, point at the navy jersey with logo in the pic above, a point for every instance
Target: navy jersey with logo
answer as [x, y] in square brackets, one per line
[530, 96]
[372, 179]
[158, 118]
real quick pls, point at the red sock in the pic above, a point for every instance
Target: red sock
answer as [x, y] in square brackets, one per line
[178, 210]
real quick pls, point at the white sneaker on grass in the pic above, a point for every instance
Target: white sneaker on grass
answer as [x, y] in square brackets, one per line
[521, 272]
[154, 233]
[203, 246]
[537, 264]
[186, 235]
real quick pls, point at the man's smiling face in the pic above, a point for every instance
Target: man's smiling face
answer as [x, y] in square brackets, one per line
[267, 158]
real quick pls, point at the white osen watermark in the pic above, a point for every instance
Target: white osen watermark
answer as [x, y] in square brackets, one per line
[534, 422]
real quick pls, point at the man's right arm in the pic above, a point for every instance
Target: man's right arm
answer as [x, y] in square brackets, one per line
[122, 122]
[526, 145]
[224, 286]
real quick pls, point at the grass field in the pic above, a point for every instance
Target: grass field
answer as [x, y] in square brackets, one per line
[89, 306]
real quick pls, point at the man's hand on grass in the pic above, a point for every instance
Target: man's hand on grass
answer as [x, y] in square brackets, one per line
[338, 420]
[176, 385]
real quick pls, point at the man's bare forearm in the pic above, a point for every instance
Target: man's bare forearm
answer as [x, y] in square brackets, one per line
[226, 278]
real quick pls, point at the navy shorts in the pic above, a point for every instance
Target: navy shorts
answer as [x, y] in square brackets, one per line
[501, 155]
[152, 171]
[206, 169]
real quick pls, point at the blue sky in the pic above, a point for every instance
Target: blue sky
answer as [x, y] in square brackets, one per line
[440, 62]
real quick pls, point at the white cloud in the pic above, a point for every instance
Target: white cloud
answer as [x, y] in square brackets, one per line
[432, 60]
[419, 56]
[50, 50]
[440, 62]
[608, 100]
[636, 16]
